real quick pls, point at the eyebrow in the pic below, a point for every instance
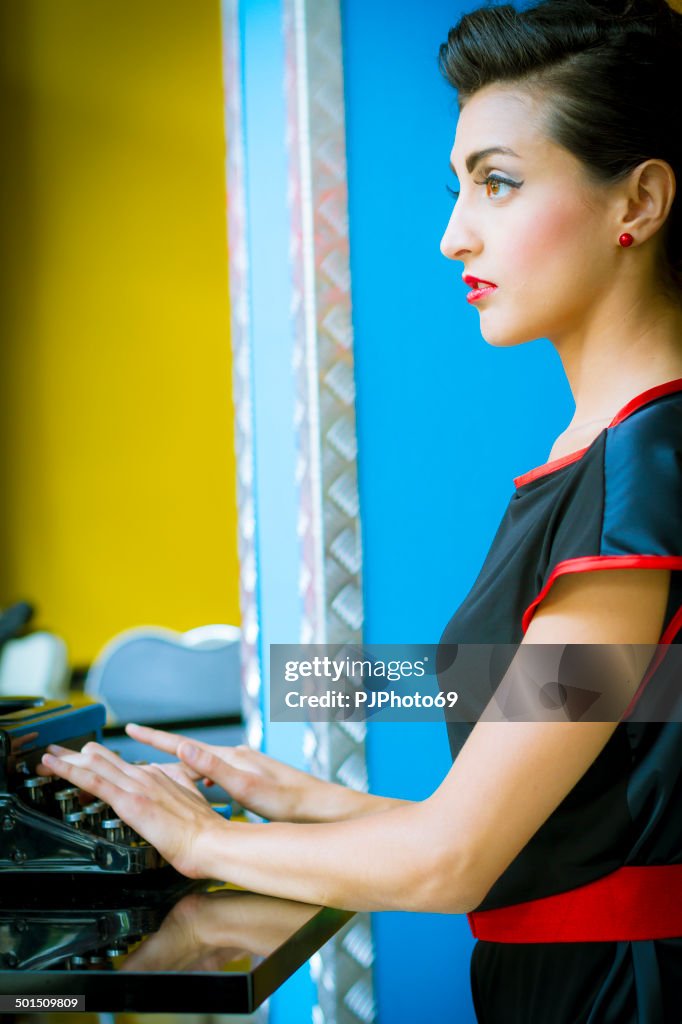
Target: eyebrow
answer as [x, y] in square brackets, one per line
[474, 158]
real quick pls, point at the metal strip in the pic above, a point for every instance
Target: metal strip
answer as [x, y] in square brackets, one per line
[329, 518]
[238, 264]
[326, 477]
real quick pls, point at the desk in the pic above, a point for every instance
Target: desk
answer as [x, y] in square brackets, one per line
[160, 946]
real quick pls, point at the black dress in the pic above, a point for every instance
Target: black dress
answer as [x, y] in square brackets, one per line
[615, 504]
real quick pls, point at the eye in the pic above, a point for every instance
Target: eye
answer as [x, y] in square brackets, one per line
[498, 187]
[452, 192]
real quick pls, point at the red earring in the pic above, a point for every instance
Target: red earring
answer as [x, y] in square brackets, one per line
[626, 239]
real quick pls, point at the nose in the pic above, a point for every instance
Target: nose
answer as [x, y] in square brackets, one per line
[459, 239]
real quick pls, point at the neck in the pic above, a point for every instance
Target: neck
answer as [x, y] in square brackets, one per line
[629, 347]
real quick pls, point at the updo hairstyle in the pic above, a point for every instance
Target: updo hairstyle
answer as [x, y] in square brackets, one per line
[611, 68]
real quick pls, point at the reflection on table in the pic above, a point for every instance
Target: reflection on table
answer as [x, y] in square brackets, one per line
[160, 945]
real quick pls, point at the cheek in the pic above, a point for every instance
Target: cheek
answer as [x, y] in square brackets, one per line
[549, 272]
[551, 247]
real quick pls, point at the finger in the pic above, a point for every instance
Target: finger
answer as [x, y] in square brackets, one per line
[97, 760]
[173, 768]
[85, 756]
[234, 780]
[181, 774]
[66, 753]
[85, 778]
[93, 750]
[54, 748]
[158, 738]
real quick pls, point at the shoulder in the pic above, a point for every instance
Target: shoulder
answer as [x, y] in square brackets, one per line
[618, 508]
[642, 509]
[654, 432]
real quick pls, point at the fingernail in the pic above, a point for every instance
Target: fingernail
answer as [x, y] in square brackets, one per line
[190, 751]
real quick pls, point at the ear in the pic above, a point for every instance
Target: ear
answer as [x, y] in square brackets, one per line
[649, 193]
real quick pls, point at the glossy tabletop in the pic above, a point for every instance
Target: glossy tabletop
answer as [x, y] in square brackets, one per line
[159, 944]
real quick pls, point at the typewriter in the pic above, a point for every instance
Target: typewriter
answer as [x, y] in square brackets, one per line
[84, 927]
[46, 824]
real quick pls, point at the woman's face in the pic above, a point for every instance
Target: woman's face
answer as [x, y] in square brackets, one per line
[534, 232]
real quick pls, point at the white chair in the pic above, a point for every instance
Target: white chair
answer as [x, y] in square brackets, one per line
[153, 675]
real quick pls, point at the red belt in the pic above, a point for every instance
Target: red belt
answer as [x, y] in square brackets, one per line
[628, 905]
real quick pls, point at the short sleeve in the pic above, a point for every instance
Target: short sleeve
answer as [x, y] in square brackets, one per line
[643, 485]
[622, 508]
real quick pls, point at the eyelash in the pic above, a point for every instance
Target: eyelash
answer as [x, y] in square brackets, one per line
[500, 179]
[488, 180]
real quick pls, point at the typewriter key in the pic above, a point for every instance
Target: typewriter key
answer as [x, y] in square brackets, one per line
[96, 962]
[67, 800]
[115, 951]
[76, 819]
[34, 789]
[129, 834]
[94, 812]
[113, 830]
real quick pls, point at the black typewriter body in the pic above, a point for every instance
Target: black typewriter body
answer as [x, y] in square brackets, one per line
[81, 928]
[47, 825]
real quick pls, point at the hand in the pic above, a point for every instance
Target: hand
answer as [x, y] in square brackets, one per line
[206, 931]
[262, 784]
[175, 820]
[177, 771]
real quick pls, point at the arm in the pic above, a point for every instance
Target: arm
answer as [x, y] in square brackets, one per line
[444, 853]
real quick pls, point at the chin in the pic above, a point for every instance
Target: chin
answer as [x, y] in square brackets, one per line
[500, 336]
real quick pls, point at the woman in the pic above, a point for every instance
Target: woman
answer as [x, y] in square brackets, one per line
[568, 226]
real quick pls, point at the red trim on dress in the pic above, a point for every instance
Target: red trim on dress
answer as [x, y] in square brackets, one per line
[632, 904]
[668, 637]
[590, 562]
[548, 467]
[667, 388]
[674, 626]
[653, 667]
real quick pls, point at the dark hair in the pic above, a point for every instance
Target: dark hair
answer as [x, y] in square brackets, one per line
[611, 67]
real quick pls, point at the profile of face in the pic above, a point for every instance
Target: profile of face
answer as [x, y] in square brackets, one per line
[533, 229]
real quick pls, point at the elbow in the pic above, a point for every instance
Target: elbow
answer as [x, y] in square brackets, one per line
[448, 882]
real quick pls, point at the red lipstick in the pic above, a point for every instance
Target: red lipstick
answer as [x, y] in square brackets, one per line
[479, 287]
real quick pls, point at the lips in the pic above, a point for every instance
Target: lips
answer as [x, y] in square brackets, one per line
[479, 287]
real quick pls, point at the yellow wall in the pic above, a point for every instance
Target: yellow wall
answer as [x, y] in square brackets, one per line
[117, 474]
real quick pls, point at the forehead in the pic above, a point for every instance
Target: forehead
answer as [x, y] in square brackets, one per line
[498, 115]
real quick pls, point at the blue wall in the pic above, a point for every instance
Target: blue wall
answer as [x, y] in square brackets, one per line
[444, 421]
